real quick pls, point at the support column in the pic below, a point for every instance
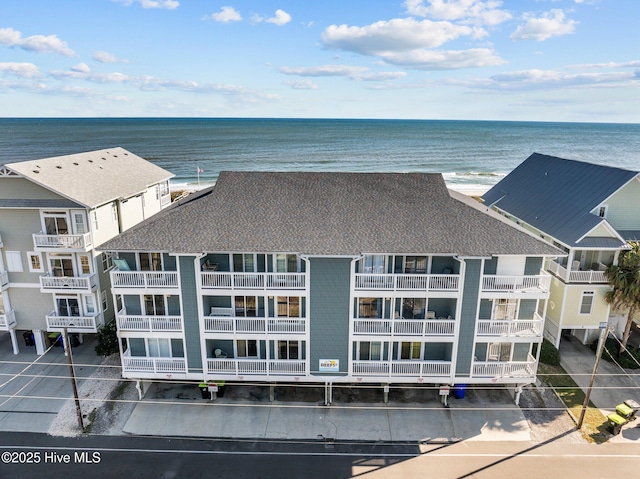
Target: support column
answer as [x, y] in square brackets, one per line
[272, 392]
[38, 337]
[14, 341]
[386, 393]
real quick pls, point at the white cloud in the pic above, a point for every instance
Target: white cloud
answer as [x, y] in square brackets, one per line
[24, 70]
[164, 4]
[393, 35]
[550, 24]
[305, 84]
[106, 57]
[445, 59]
[34, 43]
[226, 15]
[469, 11]
[280, 18]
[81, 67]
[351, 72]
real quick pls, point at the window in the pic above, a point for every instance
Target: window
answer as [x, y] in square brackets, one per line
[415, 265]
[286, 263]
[105, 303]
[413, 308]
[68, 306]
[107, 261]
[159, 347]
[373, 308]
[586, 304]
[90, 305]
[114, 212]
[602, 211]
[370, 351]
[154, 305]
[150, 261]
[55, 223]
[85, 265]
[245, 305]
[244, 263]
[247, 348]
[504, 309]
[78, 221]
[373, 264]
[410, 350]
[61, 266]
[499, 352]
[288, 307]
[14, 262]
[94, 220]
[288, 349]
[35, 262]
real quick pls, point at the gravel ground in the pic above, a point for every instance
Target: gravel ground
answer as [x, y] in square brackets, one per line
[107, 405]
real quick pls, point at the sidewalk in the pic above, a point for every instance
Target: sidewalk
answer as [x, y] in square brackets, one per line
[612, 385]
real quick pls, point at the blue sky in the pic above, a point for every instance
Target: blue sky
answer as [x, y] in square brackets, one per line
[540, 60]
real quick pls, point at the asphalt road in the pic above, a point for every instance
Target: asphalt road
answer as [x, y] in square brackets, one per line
[34, 456]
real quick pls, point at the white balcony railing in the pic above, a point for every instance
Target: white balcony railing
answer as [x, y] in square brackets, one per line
[506, 369]
[7, 320]
[241, 367]
[404, 327]
[511, 328]
[265, 281]
[144, 279]
[4, 278]
[407, 282]
[50, 283]
[132, 364]
[494, 283]
[575, 276]
[418, 369]
[229, 324]
[152, 324]
[81, 242]
[74, 324]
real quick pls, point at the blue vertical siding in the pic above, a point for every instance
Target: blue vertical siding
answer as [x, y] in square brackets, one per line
[468, 316]
[190, 313]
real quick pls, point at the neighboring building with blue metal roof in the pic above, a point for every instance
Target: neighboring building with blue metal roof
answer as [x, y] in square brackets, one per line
[589, 211]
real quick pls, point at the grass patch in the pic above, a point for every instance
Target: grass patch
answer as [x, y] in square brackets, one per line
[594, 427]
[90, 417]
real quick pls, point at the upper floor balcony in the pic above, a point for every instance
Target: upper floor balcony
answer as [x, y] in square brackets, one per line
[576, 274]
[257, 367]
[150, 367]
[440, 370]
[64, 284]
[148, 324]
[516, 285]
[404, 327]
[62, 242]
[4, 280]
[74, 324]
[221, 320]
[222, 280]
[7, 320]
[408, 282]
[504, 370]
[511, 328]
[123, 282]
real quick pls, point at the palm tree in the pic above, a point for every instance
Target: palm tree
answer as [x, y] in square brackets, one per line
[624, 279]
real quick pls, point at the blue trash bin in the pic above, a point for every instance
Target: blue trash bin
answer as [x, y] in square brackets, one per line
[458, 391]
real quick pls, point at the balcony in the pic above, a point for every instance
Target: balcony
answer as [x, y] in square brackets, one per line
[408, 369]
[262, 367]
[253, 281]
[525, 285]
[232, 324]
[148, 367]
[149, 324]
[74, 324]
[506, 369]
[408, 282]
[4, 279]
[126, 281]
[527, 328]
[66, 242]
[575, 275]
[404, 327]
[64, 284]
[7, 320]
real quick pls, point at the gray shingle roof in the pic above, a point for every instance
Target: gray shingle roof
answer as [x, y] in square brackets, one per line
[556, 195]
[327, 214]
[93, 178]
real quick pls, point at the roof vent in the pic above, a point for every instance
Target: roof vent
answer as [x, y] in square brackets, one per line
[90, 161]
[59, 167]
[104, 158]
[36, 171]
[115, 156]
[75, 163]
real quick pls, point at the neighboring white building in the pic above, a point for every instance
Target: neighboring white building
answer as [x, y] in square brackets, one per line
[590, 212]
[330, 278]
[53, 212]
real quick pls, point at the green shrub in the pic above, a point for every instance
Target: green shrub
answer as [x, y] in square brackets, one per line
[629, 359]
[107, 340]
[549, 354]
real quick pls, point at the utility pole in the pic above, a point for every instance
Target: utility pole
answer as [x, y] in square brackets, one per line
[604, 332]
[67, 348]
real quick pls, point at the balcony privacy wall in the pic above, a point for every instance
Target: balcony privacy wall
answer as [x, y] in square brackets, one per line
[468, 315]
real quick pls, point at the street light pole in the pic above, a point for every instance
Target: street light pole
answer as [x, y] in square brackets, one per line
[603, 337]
[67, 348]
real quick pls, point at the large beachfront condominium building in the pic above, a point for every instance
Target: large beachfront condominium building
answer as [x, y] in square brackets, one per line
[330, 278]
[53, 212]
[590, 212]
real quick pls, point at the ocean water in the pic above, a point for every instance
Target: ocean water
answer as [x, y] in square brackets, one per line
[472, 155]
